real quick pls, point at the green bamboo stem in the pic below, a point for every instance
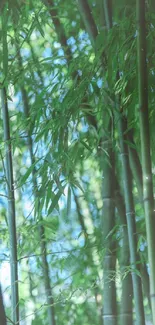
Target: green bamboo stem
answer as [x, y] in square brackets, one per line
[135, 167]
[108, 223]
[108, 13]
[11, 209]
[137, 174]
[88, 20]
[130, 215]
[2, 310]
[126, 303]
[145, 281]
[148, 198]
[58, 27]
[126, 316]
[49, 295]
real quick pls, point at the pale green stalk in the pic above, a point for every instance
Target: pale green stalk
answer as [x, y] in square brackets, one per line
[127, 290]
[131, 223]
[2, 310]
[148, 198]
[11, 209]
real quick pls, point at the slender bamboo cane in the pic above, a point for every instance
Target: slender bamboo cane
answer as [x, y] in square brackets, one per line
[137, 174]
[11, 209]
[146, 282]
[88, 20]
[108, 12]
[108, 223]
[49, 294]
[130, 215]
[135, 167]
[127, 290]
[2, 310]
[9, 176]
[58, 27]
[145, 146]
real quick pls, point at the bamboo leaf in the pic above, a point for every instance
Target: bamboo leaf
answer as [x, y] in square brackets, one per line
[28, 173]
[85, 145]
[38, 25]
[55, 200]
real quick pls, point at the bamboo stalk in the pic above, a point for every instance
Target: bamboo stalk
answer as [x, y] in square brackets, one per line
[148, 198]
[108, 223]
[126, 316]
[135, 167]
[58, 27]
[2, 310]
[130, 215]
[49, 295]
[108, 13]
[88, 20]
[137, 174]
[11, 209]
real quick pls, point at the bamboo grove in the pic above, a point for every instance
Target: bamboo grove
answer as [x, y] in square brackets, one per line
[77, 162]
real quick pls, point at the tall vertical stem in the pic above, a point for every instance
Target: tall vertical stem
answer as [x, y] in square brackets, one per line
[131, 223]
[108, 223]
[145, 146]
[127, 289]
[2, 310]
[11, 209]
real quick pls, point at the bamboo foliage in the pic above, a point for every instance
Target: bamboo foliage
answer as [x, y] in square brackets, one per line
[41, 230]
[130, 213]
[70, 71]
